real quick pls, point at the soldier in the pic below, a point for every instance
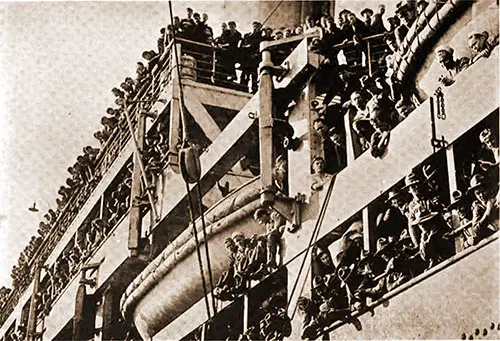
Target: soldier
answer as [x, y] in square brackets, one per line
[275, 228]
[209, 32]
[404, 107]
[230, 59]
[361, 120]
[91, 152]
[377, 21]
[394, 220]
[481, 46]
[406, 16]
[102, 136]
[421, 6]
[424, 212]
[323, 263]
[367, 14]
[4, 295]
[241, 262]
[227, 280]
[187, 24]
[369, 268]
[319, 178]
[268, 34]
[491, 159]
[309, 25]
[251, 56]
[381, 111]
[484, 208]
[451, 66]
[396, 271]
[459, 207]
[394, 23]
[299, 30]
[43, 229]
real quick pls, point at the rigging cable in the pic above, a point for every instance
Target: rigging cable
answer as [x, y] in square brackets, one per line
[185, 143]
[139, 159]
[312, 241]
[272, 12]
[207, 253]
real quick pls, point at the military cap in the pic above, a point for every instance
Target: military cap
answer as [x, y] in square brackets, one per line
[367, 10]
[457, 199]
[445, 48]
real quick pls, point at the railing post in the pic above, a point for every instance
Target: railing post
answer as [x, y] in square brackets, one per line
[108, 313]
[32, 317]
[349, 139]
[452, 175]
[452, 185]
[366, 229]
[369, 57]
[246, 310]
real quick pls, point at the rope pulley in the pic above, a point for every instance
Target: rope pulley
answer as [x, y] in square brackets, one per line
[189, 163]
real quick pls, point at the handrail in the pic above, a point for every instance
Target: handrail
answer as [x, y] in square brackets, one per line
[414, 281]
[103, 162]
[272, 43]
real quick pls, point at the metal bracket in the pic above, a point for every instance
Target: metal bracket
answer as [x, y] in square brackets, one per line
[290, 209]
[279, 71]
[439, 143]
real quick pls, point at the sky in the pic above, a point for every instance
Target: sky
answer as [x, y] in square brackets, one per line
[58, 63]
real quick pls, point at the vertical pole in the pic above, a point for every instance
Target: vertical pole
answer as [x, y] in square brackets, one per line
[101, 206]
[136, 190]
[246, 309]
[349, 139]
[452, 174]
[332, 8]
[108, 319]
[203, 335]
[175, 110]
[369, 57]
[366, 229]
[366, 236]
[452, 184]
[78, 318]
[32, 317]
[266, 127]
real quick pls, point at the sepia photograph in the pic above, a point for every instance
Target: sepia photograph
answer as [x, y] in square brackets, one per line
[249, 170]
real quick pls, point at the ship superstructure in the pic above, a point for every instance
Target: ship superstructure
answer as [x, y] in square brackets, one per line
[206, 219]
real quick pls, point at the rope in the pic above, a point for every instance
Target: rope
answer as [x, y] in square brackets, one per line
[207, 253]
[190, 203]
[139, 159]
[177, 67]
[198, 252]
[272, 12]
[312, 240]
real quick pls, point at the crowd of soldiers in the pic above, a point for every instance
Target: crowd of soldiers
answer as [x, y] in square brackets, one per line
[88, 238]
[415, 231]
[84, 175]
[242, 51]
[251, 258]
